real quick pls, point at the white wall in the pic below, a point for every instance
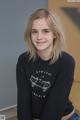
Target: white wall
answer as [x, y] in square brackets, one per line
[13, 16]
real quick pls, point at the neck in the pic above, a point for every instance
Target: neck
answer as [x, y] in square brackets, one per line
[45, 55]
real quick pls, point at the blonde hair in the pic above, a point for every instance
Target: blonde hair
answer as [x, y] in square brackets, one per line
[54, 24]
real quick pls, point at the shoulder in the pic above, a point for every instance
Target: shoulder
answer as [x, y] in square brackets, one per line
[23, 57]
[67, 59]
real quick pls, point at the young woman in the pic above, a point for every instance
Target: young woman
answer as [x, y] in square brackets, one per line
[45, 72]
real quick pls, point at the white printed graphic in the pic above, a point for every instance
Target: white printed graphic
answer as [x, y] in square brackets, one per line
[2, 117]
[41, 80]
[38, 95]
[44, 85]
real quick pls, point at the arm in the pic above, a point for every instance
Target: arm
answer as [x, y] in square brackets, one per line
[23, 93]
[54, 106]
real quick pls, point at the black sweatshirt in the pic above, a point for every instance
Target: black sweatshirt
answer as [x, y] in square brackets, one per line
[43, 89]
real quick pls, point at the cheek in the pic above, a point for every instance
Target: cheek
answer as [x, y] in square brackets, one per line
[53, 37]
[50, 37]
[32, 37]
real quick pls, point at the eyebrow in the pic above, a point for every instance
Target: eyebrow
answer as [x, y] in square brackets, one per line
[41, 29]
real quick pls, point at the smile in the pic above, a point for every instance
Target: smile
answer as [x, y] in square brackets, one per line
[41, 42]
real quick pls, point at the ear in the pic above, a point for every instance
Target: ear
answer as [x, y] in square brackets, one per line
[54, 35]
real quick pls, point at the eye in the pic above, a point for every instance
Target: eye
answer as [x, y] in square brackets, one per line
[46, 31]
[34, 31]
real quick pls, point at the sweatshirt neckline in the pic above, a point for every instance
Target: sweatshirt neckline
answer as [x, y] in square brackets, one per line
[44, 61]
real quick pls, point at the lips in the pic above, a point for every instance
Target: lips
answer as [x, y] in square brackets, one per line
[40, 42]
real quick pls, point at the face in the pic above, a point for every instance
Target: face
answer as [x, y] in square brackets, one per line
[41, 35]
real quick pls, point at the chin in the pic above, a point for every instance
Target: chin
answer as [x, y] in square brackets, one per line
[41, 49]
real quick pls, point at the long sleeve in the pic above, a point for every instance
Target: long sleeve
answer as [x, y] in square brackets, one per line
[23, 92]
[54, 106]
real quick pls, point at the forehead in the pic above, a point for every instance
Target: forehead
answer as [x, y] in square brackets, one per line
[40, 23]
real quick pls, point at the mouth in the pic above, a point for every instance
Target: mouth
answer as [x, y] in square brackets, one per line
[41, 42]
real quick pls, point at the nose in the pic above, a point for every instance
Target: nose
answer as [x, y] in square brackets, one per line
[39, 36]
